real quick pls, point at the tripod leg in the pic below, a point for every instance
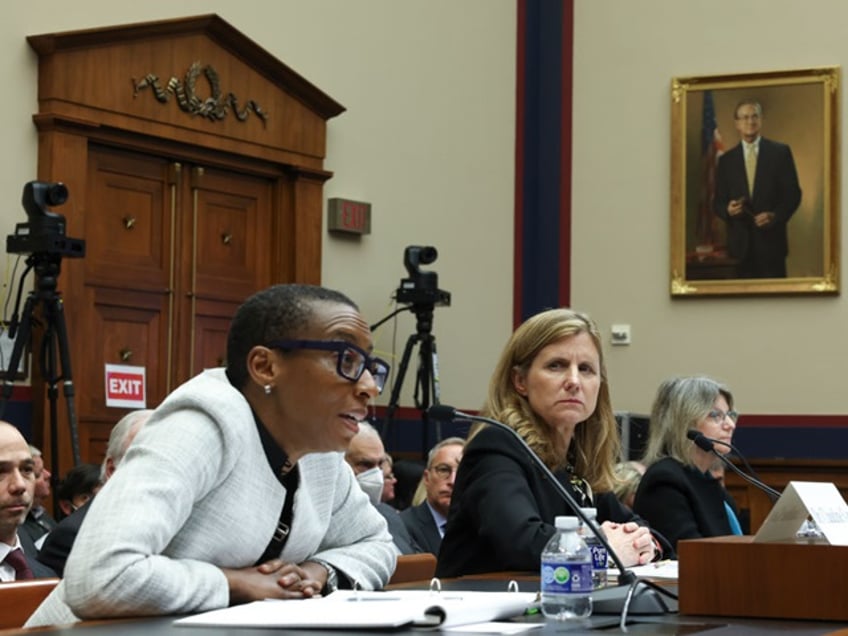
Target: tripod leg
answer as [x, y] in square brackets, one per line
[422, 384]
[48, 370]
[427, 382]
[21, 340]
[435, 387]
[395, 396]
[57, 314]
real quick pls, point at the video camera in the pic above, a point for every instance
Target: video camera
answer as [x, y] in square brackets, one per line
[421, 288]
[45, 231]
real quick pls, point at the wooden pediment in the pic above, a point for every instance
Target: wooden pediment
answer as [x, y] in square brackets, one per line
[194, 80]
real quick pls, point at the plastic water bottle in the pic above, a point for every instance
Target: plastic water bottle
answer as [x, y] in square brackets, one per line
[566, 573]
[599, 552]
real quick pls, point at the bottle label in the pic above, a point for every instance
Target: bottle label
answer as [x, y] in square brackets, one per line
[599, 557]
[567, 577]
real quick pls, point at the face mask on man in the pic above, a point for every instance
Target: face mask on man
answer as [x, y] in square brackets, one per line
[371, 482]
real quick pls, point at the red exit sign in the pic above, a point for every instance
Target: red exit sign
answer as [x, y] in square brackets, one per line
[344, 215]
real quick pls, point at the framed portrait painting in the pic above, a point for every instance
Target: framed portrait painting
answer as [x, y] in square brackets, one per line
[754, 183]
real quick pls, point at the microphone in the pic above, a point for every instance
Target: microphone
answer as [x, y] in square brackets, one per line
[708, 444]
[444, 413]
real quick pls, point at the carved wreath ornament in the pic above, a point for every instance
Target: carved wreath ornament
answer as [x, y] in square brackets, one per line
[215, 107]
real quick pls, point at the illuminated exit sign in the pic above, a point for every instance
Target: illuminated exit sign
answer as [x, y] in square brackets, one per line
[344, 215]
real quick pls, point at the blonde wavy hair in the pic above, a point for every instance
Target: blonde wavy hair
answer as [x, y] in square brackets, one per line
[595, 445]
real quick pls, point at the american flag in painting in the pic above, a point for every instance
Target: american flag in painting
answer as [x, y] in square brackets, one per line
[711, 150]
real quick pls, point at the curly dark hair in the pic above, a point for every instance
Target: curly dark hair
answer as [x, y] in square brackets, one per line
[275, 313]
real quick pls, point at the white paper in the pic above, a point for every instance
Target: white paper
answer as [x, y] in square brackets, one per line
[659, 570]
[828, 509]
[494, 628]
[347, 609]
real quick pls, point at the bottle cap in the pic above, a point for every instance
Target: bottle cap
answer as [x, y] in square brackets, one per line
[566, 523]
[592, 513]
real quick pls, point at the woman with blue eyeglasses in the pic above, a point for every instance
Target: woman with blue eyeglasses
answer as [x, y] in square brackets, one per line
[680, 494]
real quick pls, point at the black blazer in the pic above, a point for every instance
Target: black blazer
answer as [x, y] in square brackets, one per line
[422, 527]
[503, 508]
[682, 502]
[57, 546]
[776, 189]
[35, 528]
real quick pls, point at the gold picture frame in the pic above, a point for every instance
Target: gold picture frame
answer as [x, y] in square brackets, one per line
[725, 239]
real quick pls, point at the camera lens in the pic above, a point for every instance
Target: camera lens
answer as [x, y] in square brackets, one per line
[56, 193]
[428, 255]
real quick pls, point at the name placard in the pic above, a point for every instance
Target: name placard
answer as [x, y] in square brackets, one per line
[820, 501]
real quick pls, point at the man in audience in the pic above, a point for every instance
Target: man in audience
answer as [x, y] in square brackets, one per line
[79, 485]
[17, 486]
[426, 521]
[54, 553]
[367, 456]
[38, 522]
[628, 475]
[389, 480]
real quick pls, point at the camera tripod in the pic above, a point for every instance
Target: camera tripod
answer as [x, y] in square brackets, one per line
[47, 268]
[427, 377]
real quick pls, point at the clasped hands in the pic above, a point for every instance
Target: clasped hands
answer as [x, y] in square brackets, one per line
[275, 579]
[633, 543]
[761, 219]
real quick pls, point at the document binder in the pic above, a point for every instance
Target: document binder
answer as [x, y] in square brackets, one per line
[345, 609]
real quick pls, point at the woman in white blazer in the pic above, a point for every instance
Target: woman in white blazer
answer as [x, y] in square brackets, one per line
[196, 518]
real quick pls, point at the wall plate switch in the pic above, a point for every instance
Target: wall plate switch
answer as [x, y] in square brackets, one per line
[620, 334]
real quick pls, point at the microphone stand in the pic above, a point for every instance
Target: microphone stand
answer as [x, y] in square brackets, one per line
[708, 444]
[736, 452]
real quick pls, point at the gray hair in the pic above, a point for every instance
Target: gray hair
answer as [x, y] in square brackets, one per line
[448, 441]
[120, 437]
[679, 405]
[365, 428]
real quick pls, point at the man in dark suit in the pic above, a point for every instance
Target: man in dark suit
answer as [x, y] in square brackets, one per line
[367, 456]
[17, 487]
[57, 546]
[757, 192]
[38, 521]
[426, 521]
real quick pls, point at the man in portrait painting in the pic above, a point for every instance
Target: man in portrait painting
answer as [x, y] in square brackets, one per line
[756, 193]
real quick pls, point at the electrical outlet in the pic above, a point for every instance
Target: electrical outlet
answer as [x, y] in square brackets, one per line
[620, 334]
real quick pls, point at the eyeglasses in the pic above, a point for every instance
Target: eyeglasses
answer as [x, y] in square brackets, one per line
[443, 471]
[718, 416]
[351, 361]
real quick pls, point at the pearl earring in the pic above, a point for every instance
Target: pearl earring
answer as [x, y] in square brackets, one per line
[267, 389]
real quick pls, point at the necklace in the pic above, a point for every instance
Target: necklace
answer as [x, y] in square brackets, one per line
[579, 485]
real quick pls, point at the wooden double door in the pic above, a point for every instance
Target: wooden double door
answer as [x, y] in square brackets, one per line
[195, 170]
[172, 249]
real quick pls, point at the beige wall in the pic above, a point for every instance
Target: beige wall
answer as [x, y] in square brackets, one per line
[427, 138]
[779, 355]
